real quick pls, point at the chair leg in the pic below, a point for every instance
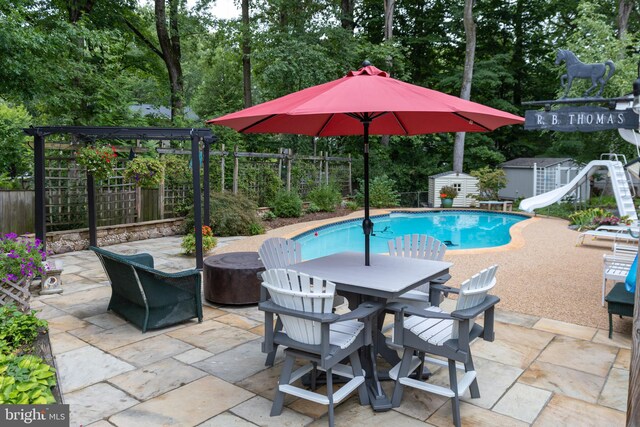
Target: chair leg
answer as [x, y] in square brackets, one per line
[357, 372]
[405, 364]
[473, 387]
[330, 395]
[285, 377]
[314, 376]
[455, 400]
[271, 356]
[604, 288]
[610, 326]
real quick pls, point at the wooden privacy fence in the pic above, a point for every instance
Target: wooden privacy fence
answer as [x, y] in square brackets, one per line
[258, 175]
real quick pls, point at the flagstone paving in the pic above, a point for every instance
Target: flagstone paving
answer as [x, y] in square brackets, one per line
[538, 371]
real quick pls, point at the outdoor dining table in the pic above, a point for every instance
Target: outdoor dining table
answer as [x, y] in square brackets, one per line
[387, 277]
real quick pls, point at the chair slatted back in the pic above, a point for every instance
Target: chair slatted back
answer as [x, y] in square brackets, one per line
[473, 291]
[417, 246]
[300, 292]
[277, 252]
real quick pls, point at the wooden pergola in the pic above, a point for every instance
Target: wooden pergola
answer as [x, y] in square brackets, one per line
[94, 133]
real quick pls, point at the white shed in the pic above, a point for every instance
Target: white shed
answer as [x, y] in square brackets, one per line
[466, 185]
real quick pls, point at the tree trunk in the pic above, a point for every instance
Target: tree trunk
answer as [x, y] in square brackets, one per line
[346, 15]
[76, 9]
[624, 11]
[246, 54]
[389, 6]
[169, 39]
[467, 76]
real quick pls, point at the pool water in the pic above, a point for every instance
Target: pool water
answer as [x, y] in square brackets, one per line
[457, 229]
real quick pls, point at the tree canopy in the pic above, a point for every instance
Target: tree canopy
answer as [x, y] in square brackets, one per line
[86, 62]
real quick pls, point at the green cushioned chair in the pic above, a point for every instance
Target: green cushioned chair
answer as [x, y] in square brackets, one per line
[149, 298]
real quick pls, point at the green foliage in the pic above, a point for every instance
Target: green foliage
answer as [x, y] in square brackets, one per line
[260, 184]
[490, 182]
[268, 216]
[18, 330]
[382, 193]
[231, 215]
[208, 241]
[351, 205]
[25, 380]
[255, 228]
[448, 192]
[147, 172]
[559, 210]
[97, 160]
[591, 218]
[287, 205]
[325, 197]
[15, 156]
[312, 208]
[176, 170]
[607, 202]
[20, 257]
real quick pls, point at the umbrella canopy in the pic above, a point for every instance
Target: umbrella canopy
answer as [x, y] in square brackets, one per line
[366, 102]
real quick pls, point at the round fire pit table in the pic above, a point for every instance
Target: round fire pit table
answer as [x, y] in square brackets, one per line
[232, 278]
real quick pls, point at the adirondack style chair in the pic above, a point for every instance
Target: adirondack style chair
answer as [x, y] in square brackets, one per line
[423, 247]
[312, 332]
[276, 252]
[448, 335]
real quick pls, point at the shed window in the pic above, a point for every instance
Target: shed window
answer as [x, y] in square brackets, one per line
[458, 187]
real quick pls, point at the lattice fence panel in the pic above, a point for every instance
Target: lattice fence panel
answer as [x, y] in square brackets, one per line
[258, 179]
[174, 198]
[66, 194]
[116, 198]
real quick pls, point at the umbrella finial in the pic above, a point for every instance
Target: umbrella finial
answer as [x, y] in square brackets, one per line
[366, 63]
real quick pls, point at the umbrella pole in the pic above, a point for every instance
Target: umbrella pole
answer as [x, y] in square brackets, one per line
[367, 225]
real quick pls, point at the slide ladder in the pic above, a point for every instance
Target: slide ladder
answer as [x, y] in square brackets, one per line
[619, 183]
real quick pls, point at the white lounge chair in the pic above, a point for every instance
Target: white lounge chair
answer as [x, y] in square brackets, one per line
[622, 234]
[617, 265]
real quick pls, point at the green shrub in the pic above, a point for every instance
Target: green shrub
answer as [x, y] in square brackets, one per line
[382, 193]
[268, 216]
[231, 215]
[147, 172]
[490, 182]
[25, 380]
[176, 170]
[603, 202]
[351, 205]
[326, 197]
[255, 228]
[312, 208]
[18, 330]
[287, 205]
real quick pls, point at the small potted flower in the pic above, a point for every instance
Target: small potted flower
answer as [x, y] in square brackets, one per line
[147, 172]
[208, 241]
[447, 194]
[97, 160]
[20, 260]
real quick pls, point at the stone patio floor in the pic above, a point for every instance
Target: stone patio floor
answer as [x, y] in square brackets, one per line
[538, 371]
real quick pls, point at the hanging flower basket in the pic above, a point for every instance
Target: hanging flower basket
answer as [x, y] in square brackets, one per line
[97, 160]
[147, 172]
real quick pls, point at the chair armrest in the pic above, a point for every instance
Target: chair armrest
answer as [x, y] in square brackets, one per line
[144, 259]
[365, 309]
[270, 307]
[398, 307]
[443, 288]
[473, 312]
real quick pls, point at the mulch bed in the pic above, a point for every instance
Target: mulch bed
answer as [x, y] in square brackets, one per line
[281, 222]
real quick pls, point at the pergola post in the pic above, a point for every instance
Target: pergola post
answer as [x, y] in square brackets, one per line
[39, 173]
[206, 189]
[91, 202]
[197, 204]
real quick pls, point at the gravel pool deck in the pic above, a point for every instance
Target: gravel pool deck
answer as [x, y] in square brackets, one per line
[541, 272]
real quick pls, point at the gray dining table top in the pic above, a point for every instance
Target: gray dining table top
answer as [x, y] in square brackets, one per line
[385, 277]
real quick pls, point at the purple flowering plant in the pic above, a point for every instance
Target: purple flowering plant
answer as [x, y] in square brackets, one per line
[147, 172]
[20, 257]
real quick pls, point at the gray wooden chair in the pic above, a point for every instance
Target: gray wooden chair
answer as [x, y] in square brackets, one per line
[276, 252]
[312, 332]
[434, 331]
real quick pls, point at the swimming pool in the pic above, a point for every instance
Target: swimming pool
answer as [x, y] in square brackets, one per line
[458, 229]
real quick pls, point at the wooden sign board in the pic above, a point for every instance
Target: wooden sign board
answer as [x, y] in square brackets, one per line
[580, 119]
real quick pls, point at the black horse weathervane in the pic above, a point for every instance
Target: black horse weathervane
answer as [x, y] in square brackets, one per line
[577, 69]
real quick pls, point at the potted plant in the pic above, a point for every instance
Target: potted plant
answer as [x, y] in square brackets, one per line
[20, 260]
[447, 194]
[208, 241]
[147, 172]
[97, 160]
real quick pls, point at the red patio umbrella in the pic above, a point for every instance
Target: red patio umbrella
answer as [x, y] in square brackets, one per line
[366, 102]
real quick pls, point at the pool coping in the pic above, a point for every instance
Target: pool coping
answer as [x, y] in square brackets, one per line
[515, 231]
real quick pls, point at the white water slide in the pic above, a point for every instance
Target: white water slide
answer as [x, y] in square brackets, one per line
[619, 184]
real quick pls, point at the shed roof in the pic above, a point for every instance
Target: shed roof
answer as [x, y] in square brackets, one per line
[442, 174]
[541, 162]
